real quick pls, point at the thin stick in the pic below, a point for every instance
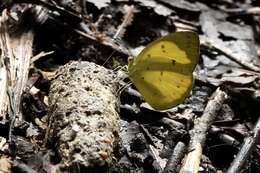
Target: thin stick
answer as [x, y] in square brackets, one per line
[128, 18]
[74, 17]
[123, 88]
[198, 133]
[229, 55]
[247, 148]
[54, 7]
[175, 159]
[51, 113]
[40, 55]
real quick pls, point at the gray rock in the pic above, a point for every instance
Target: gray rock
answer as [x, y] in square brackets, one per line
[85, 117]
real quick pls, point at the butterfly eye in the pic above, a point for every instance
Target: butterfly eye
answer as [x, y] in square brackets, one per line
[130, 59]
[162, 46]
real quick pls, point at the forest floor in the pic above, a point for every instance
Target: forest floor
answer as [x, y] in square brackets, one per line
[67, 104]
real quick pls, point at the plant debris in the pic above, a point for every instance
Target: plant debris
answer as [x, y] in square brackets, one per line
[67, 104]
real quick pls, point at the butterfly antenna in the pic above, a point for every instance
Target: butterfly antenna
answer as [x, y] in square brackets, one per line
[121, 74]
[109, 57]
[118, 68]
[121, 89]
[121, 68]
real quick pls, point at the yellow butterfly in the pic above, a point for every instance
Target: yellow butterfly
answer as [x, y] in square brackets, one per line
[162, 72]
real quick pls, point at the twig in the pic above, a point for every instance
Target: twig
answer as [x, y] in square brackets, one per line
[171, 124]
[175, 159]
[54, 7]
[147, 135]
[228, 54]
[128, 18]
[198, 133]
[50, 116]
[69, 17]
[40, 55]
[158, 162]
[241, 11]
[12, 112]
[106, 42]
[247, 147]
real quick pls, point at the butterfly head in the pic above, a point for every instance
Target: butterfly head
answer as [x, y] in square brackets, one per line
[131, 63]
[130, 59]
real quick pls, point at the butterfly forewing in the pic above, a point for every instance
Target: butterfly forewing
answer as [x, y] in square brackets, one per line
[162, 72]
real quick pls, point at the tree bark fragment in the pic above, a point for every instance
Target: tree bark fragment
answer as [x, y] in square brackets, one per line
[16, 51]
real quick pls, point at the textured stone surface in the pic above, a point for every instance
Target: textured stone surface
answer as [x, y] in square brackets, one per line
[85, 117]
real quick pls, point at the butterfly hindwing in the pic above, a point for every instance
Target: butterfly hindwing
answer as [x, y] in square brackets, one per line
[163, 90]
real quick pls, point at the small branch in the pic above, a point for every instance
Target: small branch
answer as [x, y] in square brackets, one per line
[199, 132]
[175, 159]
[51, 113]
[147, 135]
[106, 42]
[54, 7]
[70, 17]
[128, 18]
[247, 148]
[171, 124]
[228, 54]
[40, 55]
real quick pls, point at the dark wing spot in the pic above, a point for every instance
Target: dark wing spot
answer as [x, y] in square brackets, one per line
[147, 68]
[182, 80]
[149, 56]
[178, 86]
[161, 73]
[142, 78]
[162, 46]
[173, 62]
[219, 76]
[163, 51]
[229, 71]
